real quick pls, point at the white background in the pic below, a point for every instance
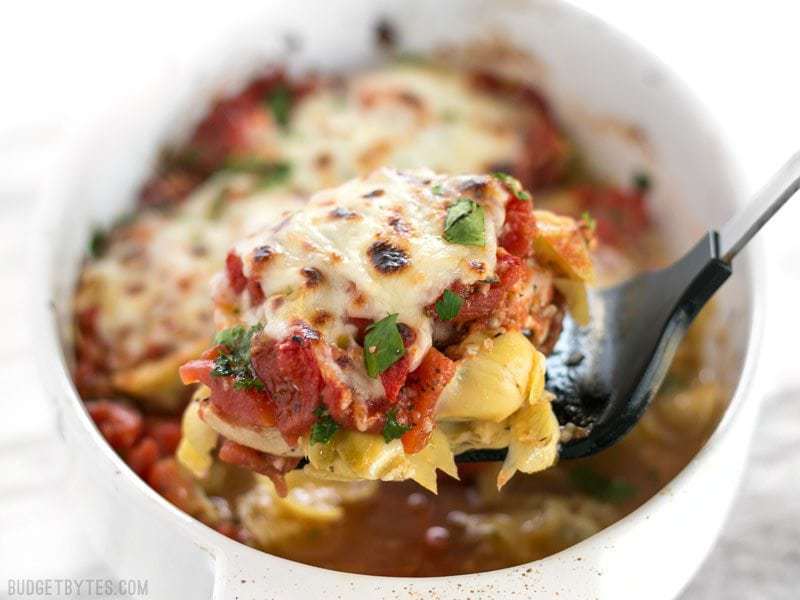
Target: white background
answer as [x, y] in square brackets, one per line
[59, 59]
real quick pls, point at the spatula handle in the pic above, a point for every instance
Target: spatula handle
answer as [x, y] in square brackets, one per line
[735, 234]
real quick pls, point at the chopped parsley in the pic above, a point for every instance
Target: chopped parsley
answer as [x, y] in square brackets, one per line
[589, 220]
[642, 182]
[448, 306]
[98, 242]
[597, 485]
[392, 429]
[269, 173]
[513, 185]
[383, 345]
[323, 429]
[279, 102]
[464, 223]
[234, 360]
[438, 189]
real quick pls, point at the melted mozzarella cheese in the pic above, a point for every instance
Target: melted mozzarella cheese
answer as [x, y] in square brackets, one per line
[151, 287]
[335, 236]
[402, 116]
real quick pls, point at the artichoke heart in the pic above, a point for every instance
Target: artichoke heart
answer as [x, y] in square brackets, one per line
[198, 440]
[492, 384]
[353, 455]
[464, 435]
[533, 442]
[577, 299]
[561, 244]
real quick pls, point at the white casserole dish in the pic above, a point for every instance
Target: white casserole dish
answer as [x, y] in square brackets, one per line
[601, 84]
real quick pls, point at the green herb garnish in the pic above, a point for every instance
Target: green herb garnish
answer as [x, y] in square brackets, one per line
[279, 102]
[100, 238]
[513, 185]
[642, 182]
[234, 360]
[383, 345]
[448, 306]
[438, 189]
[589, 220]
[323, 429]
[464, 223]
[98, 242]
[590, 482]
[392, 429]
[277, 173]
[269, 173]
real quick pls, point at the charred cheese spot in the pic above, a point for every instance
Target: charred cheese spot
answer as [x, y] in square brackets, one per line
[321, 318]
[262, 254]
[476, 188]
[387, 258]
[407, 333]
[374, 194]
[312, 276]
[323, 160]
[411, 100]
[304, 335]
[343, 361]
[342, 213]
[477, 266]
[135, 289]
[399, 225]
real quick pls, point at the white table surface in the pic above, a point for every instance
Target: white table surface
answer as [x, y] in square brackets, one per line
[741, 58]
